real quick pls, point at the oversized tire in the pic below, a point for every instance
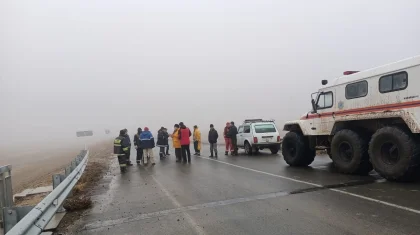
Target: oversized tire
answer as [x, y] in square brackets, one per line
[395, 154]
[274, 149]
[248, 148]
[349, 152]
[296, 150]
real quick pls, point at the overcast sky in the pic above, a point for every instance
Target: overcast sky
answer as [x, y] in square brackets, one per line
[80, 64]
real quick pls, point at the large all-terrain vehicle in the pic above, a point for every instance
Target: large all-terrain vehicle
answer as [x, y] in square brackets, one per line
[365, 120]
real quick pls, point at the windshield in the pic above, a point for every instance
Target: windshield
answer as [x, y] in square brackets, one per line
[265, 128]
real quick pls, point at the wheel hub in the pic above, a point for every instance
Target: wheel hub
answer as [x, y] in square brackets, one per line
[345, 151]
[389, 153]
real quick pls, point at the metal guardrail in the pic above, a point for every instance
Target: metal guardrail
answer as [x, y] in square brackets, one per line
[28, 220]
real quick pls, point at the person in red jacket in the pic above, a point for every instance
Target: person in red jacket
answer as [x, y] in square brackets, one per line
[228, 141]
[184, 134]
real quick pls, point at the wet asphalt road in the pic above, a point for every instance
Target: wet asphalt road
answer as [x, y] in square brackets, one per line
[244, 194]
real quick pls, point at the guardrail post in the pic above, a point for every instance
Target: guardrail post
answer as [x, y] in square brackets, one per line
[6, 190]
[12, 215]
[57, 179]
[73, 165]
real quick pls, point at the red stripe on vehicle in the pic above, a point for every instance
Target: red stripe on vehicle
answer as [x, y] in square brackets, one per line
[377, 108]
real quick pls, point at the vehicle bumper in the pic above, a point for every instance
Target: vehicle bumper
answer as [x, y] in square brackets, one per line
[266, 145]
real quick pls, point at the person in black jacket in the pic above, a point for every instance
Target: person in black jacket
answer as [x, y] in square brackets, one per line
[121, 147]
[167, 142]
[162, 142]
[213, 136]
[137, 145]
[232, 135]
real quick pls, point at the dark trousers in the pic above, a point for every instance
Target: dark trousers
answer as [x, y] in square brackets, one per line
[127, 154]
[122, 160]
[196, 147]
[162, 152]
[178, 154]
[186, 153]
[167, 150]
[234, 145]
[139, 154]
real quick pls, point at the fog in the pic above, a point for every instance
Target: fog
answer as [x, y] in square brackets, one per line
[89, 65]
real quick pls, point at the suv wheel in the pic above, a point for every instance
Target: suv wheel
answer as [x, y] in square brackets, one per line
[395, 154]
[296, 150]
[248, 148]
[349, 152]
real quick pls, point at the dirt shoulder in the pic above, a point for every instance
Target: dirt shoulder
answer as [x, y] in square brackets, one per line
[34, 175]
[80, 200]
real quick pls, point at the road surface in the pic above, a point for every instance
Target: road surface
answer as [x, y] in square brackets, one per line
[249, 195]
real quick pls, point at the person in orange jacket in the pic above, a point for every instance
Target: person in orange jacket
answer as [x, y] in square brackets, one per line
[176, 143]
[197, 140]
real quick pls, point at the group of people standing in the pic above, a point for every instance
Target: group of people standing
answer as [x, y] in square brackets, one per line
[144, 143]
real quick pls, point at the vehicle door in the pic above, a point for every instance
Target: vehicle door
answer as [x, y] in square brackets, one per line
[325, 113]
[247, 134]
[239, 136]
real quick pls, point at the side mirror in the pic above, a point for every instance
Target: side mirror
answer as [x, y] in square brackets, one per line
[313, 105]
[324, 82]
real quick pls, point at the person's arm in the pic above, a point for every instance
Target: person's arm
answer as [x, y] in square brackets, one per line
[217, 135]
[125, 145]
[190, 132]
[179, 133]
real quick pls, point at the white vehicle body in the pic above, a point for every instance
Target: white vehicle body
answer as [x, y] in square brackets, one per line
[362, 104]
[257, 134]
[403, 103]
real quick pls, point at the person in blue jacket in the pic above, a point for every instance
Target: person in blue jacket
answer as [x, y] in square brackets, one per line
[147, 143]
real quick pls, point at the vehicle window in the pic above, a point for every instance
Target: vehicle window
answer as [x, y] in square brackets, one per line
[265, 128]
[393, 82]
[325, 100]
[247, 129]
[240, 129]
[356, 90]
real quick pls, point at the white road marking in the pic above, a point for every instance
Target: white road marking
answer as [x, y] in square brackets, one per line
[318, 185]
[191, 221]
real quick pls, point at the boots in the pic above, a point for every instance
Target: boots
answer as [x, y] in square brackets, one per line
[211, 154]
[226, 153]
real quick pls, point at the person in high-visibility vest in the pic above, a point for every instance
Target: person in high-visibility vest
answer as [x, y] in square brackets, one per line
[121, 147]
[197, 140]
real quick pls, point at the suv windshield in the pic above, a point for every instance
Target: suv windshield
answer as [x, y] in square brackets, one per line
[265, 128]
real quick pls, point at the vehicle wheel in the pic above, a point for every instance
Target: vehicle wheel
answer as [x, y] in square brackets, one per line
[274, 149]
[349, 152]
[248, 148]
[394, 154]
[296, 151]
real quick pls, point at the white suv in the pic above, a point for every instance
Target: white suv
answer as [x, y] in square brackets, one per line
[257, 134]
